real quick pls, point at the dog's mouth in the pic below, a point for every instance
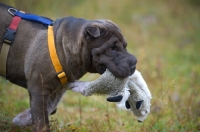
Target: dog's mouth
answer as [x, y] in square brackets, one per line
[101, 69]
[119, 72]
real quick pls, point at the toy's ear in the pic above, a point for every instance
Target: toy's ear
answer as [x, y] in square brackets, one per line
[115, 98]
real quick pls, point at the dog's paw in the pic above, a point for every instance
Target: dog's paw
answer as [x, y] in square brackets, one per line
[23, 119]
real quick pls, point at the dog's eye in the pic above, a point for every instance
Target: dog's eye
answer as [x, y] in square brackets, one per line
[113, 48]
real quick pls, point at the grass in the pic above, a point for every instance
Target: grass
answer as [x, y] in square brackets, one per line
[163, 35]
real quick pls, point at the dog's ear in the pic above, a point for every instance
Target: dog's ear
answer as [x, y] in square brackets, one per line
[93, 31]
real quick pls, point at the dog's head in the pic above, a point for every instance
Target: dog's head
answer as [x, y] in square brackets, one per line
[108, 49]
[96, 45]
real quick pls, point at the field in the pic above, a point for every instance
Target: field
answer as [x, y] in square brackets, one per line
[165, 38]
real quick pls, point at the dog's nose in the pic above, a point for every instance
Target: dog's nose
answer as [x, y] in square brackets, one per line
[139, 121]
[132, 63]
[133, 67]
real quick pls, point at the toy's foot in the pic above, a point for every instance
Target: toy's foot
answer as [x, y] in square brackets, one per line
[78, 86]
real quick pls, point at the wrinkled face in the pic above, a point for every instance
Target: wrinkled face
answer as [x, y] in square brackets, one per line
[108, 49]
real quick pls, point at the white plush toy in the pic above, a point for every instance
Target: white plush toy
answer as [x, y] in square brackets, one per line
[131, 92]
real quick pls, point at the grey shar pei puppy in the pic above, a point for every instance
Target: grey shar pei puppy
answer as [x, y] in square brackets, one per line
[82, 46]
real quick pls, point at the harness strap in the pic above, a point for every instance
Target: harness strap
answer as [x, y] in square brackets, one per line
[8, 39]
[54, 57]
[35, 18]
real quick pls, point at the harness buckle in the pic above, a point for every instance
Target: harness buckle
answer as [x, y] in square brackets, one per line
[9, 36]
[10, 10]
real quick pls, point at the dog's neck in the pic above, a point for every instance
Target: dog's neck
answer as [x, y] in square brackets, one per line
[73, 55]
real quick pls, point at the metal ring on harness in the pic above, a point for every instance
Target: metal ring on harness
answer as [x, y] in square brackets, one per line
[12, 9]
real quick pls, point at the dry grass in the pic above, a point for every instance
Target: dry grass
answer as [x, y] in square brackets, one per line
[163, 35]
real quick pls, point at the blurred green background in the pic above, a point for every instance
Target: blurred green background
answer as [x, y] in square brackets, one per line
[164, 35]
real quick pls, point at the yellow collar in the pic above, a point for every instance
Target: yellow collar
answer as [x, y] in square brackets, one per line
[54, 57]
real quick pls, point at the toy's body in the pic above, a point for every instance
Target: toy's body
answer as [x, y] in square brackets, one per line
[133, 91]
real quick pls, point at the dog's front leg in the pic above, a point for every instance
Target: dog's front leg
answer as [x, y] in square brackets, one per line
[25, 118]
[39, 113]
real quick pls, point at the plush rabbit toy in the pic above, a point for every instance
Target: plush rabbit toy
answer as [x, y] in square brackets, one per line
[131, 93]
